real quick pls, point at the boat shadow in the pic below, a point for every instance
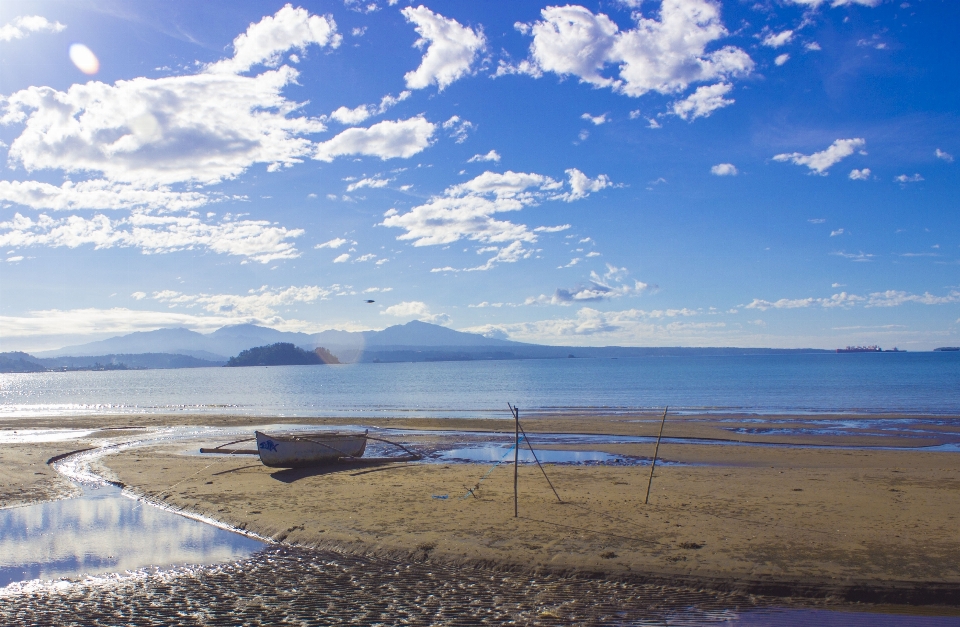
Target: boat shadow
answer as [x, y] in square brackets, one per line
[291, 475]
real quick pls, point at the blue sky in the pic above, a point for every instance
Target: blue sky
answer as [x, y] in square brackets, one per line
[686, 172]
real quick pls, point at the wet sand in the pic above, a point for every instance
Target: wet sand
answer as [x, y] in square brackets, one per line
[868, 525]
[25, 477]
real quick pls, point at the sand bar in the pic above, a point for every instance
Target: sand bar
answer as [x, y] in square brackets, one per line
[877, 525]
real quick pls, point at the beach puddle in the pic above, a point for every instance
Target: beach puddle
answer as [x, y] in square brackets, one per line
[103, 531]
[496, 453]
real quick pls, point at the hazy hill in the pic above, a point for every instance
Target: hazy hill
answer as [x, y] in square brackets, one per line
[281, 354]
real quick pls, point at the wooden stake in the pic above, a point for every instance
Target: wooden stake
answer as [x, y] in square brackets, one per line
[655, 453]
[516, 461]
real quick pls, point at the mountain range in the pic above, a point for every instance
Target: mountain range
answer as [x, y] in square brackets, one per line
[413, 341]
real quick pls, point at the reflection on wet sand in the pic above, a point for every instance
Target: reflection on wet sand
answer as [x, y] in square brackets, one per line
[103, 531]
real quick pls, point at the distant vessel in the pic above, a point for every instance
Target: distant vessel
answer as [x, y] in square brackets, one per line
[861, 349]
[947, 349]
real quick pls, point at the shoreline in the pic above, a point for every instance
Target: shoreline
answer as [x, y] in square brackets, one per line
[831, 524]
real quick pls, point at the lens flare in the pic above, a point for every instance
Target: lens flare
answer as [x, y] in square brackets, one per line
[84, 59]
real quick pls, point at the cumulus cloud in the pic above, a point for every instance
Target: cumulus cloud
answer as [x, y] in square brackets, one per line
[98, 194]
[386, 140]
[417, 310]
[343, 115]
[860, 175]
[451, 48]
[493, 155]
[23, 25]
[258, 240]
[201, 128]
[664, 56]
[336, 242]
[903, 178]
[781, 59]
[596, 290]
[820, 162]
[596, 120]
[702, 102]
[373, 182]
[724, 169]
[776, 40]
[945, 156]
[457, 128]
[837, 232]
[265, 42]
[345, 257]
[466, 211]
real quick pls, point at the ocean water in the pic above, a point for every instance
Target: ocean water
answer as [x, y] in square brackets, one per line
[911, 383]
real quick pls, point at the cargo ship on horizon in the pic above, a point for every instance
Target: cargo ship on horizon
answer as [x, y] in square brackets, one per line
[868, 349]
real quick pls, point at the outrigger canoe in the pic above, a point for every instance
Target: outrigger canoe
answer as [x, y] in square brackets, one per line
[309, 449]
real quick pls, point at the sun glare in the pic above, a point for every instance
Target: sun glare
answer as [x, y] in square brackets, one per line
[84, 59]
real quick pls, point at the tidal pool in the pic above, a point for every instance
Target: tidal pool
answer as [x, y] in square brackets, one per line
[104, 531]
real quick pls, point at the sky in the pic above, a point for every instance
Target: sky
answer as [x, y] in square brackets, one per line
[776, 173]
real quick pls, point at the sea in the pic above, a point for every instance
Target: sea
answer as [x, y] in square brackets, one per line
[235, 583]
[805, 383]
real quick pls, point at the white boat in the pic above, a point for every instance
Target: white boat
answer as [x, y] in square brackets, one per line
[309, 449]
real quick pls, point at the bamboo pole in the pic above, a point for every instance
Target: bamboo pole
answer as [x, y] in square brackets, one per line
[656, 451]
[516, 461]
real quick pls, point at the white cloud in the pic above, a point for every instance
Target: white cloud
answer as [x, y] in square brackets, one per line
[903, 178]
[366, 257]
[335, 243]
[451, 48]
[257, 240]
[138, 295]
[837, 3]
[466, 210]
[627, 327]
[860, 175]
[781, 59]
[265, 42]
[724, 169]
[458, 128]
[946, 156]
[342, 258]
[493, 155]
[551, 229]
[704, 101]
[816, 220]
[415, 309]
[596, 120]
[665, 55]
[842, 300]
[582, 185]
[820, 162]
[776, 40]
[812, 47]
[23, 25]
[372, 182]
[837, 232]
[200, 128]
[894, 298]
[261, 303]
[889, 298]
[343, 115]
[860, 257]
[387, 140]
[596, 290]
[98, 194]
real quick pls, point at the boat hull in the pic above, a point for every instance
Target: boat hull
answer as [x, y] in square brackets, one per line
[308, 449]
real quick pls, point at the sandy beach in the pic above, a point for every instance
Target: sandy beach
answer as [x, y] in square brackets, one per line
[822, 521]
